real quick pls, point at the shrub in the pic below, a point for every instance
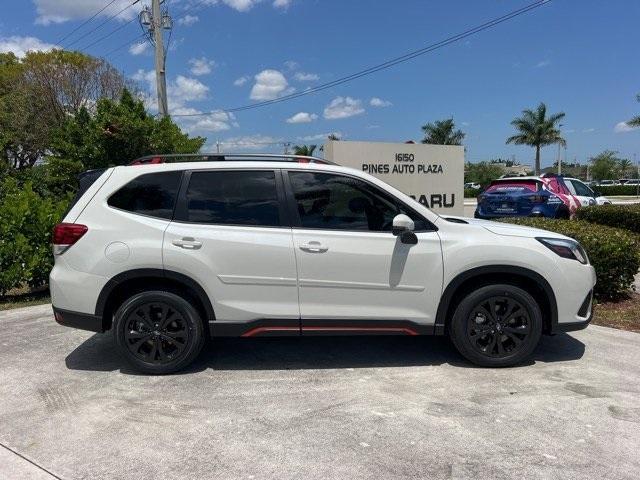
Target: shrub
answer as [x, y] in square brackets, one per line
[26, 222]
[471, 192]
[613, 252]
[612, 190]
[620, 216]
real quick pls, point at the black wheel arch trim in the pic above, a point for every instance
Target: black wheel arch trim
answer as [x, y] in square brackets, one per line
[452, 287]
[187, 281]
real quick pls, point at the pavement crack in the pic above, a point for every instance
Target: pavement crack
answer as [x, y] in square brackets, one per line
[40, 467]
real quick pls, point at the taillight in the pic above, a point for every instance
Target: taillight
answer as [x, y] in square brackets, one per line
[65, 235]
[537, 199]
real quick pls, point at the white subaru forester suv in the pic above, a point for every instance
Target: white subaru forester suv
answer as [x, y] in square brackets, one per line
[168, 254]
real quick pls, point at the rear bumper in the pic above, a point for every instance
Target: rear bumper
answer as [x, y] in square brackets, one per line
[83, 321]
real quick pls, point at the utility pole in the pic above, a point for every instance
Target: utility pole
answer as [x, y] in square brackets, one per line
[153, 23]
[635, 159]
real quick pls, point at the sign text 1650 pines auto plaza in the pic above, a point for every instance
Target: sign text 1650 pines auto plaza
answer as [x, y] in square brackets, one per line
[431, 174]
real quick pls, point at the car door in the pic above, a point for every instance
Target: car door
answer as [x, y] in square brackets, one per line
[583, 193]
[231, 234]
[354, 275]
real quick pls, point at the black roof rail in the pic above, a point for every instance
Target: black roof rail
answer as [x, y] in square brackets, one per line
[226, 157]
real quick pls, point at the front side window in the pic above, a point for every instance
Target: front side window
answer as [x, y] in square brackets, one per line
[581, 189]
[152, 194]
[336, 202]
[233, 198]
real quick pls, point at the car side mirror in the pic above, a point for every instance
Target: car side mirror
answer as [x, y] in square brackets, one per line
[403, 227]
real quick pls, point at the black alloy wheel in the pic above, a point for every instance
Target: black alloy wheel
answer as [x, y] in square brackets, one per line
[158, 332]
[496, 325]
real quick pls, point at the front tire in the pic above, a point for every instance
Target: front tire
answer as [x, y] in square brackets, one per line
[158, 332]
[496, 326]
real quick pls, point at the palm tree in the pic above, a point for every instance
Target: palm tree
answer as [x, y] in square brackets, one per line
[624, 164]
[635, 121]
[537, 130]
[306, 150]
[442, 132]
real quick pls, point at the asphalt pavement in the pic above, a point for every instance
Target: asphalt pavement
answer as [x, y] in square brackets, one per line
[316, 408]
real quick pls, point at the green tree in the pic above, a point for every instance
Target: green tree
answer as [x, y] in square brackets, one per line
[605, 165]
[119, 132]
[537, 130]
[442, 132]
[306, 150]
[635, 121]
[41, 91]
[482, 173]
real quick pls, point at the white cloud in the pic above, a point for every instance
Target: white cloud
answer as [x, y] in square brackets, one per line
[240, 81]
[320, 136]
[378, 102]
[543, 63]
[343, 107]
[281, 4]
[302, 117]
[181, 90]
[588, 130]
[21, 45]
[270, 84]
[60, 11]
[622, 127]
[241, 5]
[188, 20]
[186, 89]
[306, 77]
[250, 142]
[291, 65]
[201, 66]
[139, 48]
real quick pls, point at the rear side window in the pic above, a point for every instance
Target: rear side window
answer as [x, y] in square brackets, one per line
[233, 198]
[152, 194]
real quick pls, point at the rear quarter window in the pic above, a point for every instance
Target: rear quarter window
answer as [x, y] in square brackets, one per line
[151, 194]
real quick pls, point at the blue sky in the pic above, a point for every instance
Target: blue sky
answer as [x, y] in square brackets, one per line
[578, 56]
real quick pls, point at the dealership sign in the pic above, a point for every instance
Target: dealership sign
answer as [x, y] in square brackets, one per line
[431, 174]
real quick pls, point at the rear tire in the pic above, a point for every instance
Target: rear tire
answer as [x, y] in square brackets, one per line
[496, 326]
[158, 332]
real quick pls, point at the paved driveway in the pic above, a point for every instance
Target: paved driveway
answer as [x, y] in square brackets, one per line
[316, 408]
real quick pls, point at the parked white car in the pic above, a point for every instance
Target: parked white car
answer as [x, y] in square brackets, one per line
[166, 255]
[585, 194]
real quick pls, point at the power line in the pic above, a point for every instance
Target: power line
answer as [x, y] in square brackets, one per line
[108, 34]
[101, 25]
[85, 22]
[382, 66]
[126, 44]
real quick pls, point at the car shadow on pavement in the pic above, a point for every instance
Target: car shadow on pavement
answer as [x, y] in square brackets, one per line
[294, 353]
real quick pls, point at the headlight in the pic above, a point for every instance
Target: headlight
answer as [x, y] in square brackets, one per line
[565, 248]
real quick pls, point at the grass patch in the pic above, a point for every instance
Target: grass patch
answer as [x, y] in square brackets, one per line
[25, 299]
[623, 314]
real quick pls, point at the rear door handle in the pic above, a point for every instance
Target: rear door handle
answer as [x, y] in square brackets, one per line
[189, 243]
[313, 247]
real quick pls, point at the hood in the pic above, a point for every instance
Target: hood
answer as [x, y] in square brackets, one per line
[505, 229]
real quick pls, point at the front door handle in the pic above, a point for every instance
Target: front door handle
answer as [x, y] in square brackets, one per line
[189, 243]
[313, 247]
